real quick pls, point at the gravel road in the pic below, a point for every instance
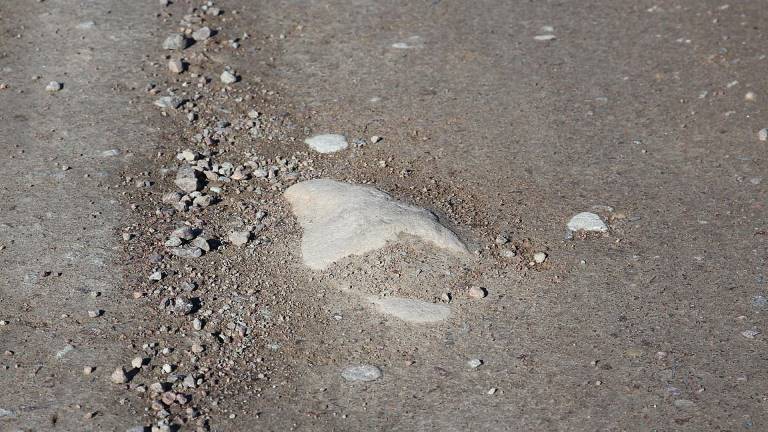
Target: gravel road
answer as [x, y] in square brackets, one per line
[144, 227]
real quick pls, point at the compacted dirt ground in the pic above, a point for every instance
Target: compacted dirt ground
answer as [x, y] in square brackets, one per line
[152, 276]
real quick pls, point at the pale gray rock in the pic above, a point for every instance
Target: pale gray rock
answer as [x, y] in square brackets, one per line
[184, 233]
[413, 311]
[168, 102]
[586, 221]
[361, 373]
[327, 143]
[342, 219]
[228, 77]
[175, 66]
[187, 179]
[53, 86]
[201, 34]
[175, 42]
[239, 238]
[187, 252]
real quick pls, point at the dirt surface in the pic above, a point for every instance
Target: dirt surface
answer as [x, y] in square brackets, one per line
[645, 113]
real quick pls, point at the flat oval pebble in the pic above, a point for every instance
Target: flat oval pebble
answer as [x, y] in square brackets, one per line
[361, 373]
[587, 221]
[327, 143]
[414, 311]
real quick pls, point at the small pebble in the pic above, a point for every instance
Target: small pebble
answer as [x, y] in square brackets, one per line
[228, 77]
[53, 86]
[175, 66]
[477, 292]
[474, 363]
[361, 373]
[762, 134]
[751, 333]
[119, 376]
[539, 257]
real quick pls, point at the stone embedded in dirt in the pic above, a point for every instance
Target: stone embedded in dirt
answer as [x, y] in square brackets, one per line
[361, 373]
[173, 242]
[187, 252]
[86, 25]
[414, 311]
[53, 86]
[119, 376]
[751, 333]
[175, 66]
[95, 313]
[239, 238]
[477, 292]
[185, 233]
[168, 102]
[762, 134]
[201, 34]
[342, 219]
[586, 221]
[546, 37]
[187, 179]
[539, 257]
[156, 276]
[175, 42]
[228, 77]
[202, 244]
[327, 143]
[474, 363]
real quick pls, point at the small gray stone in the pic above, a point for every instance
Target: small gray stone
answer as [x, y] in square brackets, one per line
[203, 201]
[202, 244]
[168, 102]
[175, 66]
[156, 276]
[187, 252]
[361, 373]
[173, 242]
[228, 77]
[53, 86]
[185, 233]
[201, 34]
[762, 134]
[175, 42]
[586, 221]
[187, 179]
[239, 238]
[119, 376]
[474, 363]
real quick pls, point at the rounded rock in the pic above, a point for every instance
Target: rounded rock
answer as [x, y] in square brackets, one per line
[362, 373]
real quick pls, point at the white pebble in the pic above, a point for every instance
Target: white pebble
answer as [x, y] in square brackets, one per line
[361, 373]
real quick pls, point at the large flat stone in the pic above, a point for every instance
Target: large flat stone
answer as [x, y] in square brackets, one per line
[342, 219]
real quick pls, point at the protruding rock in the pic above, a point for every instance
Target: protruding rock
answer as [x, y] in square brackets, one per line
[187, 179]
[228, 77]
[201, 34]
[119, 376]
[361, 373]
[327, 143]
[175, 42]
[587, 221]
[414, 311]
[341, 219]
